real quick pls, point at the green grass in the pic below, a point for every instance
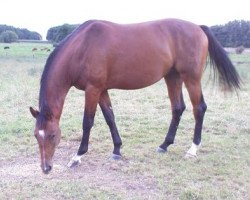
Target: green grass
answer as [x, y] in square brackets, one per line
[18, 51]
[220, 172]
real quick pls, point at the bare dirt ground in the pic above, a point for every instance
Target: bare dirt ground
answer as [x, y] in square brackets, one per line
[96, 171]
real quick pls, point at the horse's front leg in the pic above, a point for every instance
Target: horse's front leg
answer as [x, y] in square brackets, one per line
[92, 96]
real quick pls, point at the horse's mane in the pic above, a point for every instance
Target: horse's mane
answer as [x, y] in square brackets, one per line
[45, 111]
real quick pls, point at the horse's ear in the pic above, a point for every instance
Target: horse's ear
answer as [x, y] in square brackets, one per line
[34, 112]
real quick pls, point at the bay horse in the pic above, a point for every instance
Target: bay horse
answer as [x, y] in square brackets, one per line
[101, 55]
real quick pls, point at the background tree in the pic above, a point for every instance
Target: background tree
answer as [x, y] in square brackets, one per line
[22, 33]
[8, 37]
[58, 33]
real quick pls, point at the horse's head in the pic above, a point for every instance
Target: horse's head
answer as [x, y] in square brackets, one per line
[48, 134]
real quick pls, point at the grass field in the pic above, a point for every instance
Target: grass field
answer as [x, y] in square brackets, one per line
[221, 170]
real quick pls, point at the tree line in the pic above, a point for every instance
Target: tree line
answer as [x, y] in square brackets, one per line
[233, 34]
[11, 34]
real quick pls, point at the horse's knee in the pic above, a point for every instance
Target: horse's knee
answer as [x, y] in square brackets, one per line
[88, 123]
[178, 110]
[201, 109]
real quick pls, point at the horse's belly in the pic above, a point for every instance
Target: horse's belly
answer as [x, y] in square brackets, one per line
[135, 79]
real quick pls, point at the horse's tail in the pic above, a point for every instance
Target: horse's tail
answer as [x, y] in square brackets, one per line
[220, 61]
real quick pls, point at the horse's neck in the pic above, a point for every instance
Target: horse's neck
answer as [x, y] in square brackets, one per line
[54, 95]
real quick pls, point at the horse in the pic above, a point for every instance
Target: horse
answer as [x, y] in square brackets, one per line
[101, 55]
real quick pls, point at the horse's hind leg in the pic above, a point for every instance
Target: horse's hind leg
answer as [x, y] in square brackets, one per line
[199, 108]
[108, 114]
[174, 84]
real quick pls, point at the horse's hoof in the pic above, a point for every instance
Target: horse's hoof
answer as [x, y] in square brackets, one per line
[189, 155]
[116, 157]
[75, 161]
[161, 150]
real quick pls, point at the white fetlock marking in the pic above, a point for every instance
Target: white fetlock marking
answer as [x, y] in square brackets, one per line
[75, 159]
[193, 150]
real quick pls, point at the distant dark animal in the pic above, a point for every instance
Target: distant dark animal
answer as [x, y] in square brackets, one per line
[6, 47]
[101, 55]
[34, 49]
[44, 49]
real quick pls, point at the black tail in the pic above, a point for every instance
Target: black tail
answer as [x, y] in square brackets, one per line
[219, 59]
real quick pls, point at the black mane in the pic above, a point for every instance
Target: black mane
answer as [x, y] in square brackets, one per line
[45, 111]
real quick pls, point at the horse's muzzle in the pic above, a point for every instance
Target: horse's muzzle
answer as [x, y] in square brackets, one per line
[46, 169]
